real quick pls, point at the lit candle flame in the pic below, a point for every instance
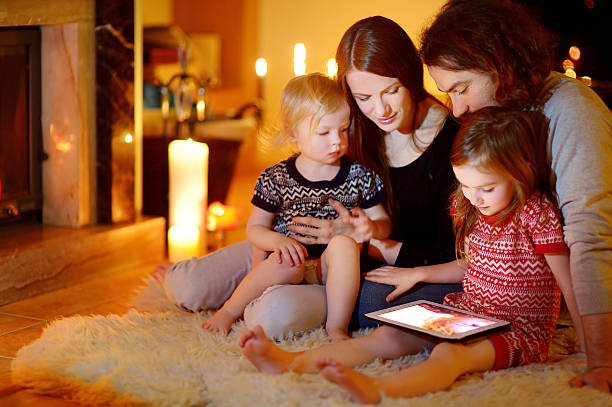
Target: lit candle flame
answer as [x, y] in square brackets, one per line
[261, 67]
[332, 68]
[299, 59]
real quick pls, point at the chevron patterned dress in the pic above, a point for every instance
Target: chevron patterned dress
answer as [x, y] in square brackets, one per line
[508, 278]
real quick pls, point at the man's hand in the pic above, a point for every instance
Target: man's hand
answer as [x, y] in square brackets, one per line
[598, 337]
[599, 378]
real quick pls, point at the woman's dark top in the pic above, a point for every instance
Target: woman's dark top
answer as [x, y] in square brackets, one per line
[422, 190]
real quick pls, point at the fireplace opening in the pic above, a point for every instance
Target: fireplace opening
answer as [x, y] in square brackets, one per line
[20, 125]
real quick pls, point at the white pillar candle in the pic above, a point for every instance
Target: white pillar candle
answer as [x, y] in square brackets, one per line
[187, 190]
[183, 242]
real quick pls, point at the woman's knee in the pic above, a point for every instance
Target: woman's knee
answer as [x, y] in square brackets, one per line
[288, 309]
[207, 282]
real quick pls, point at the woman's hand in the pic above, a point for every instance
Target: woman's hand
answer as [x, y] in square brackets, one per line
[402, 278]
[362, 225]
[320, 231]
[289, 251]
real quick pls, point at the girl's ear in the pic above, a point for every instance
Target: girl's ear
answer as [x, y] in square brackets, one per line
[289, 133]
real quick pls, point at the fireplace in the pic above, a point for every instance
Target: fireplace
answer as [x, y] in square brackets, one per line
[88, 134]
[20, 129]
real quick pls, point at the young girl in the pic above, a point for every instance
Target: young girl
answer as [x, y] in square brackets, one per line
[512, 251]
[315, 116]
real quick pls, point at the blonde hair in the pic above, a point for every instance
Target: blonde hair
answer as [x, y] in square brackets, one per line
[505, 142]
[308, 96]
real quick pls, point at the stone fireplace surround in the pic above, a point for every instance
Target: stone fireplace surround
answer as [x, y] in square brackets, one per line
[87, 60]
[90, 224]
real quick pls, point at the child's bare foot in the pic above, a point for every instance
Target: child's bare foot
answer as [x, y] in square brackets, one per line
[262, 353]
[362, 387]
[337, 335]
[221, 321]
[160, 271]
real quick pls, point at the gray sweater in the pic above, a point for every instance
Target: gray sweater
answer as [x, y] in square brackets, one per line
[580, 153]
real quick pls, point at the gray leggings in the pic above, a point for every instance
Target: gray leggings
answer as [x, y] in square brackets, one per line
[206, 283]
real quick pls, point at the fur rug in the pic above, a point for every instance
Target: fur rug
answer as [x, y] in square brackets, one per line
[165, 358]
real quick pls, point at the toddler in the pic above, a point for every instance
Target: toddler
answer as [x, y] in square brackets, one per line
[315, 116]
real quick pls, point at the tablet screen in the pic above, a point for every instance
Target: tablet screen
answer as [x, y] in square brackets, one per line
[438, 320]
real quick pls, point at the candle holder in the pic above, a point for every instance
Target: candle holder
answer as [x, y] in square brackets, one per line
[222, 218]
[188, 92]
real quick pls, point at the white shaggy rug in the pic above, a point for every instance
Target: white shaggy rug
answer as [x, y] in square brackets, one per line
[165, 358]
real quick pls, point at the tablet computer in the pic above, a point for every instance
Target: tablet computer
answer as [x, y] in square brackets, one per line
[438, 320]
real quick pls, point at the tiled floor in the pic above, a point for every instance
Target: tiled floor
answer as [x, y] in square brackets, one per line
[23, 321]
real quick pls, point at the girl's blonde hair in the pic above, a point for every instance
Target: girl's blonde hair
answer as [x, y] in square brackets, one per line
[506, 142]
[313, 95]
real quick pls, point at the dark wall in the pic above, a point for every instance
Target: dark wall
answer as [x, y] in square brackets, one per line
[586, 24]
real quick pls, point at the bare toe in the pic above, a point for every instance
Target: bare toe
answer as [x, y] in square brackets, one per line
[361, 387]
[248, 335]
[263, 354]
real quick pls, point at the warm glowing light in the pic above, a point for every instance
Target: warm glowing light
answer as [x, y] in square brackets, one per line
[567, 64]
[187, 192]
[571, 73]
[574, 53]
[223, 217]
[587, 80]
[261, 67]
[200, 106]
[183, 241]
[332, 68]
[201, 110]
[299, 52]
[128, 138]
[63, 146]
[299, 59]
[62, 142]
[299, 68]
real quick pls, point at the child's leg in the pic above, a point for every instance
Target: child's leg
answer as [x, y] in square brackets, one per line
[384, 342]
[446, 363]
[257, 257]
[340, 264]
[266, 274]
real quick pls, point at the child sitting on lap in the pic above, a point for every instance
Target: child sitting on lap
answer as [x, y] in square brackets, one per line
[315, 116]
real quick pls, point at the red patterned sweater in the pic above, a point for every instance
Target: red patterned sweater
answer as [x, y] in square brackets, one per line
[507, 277]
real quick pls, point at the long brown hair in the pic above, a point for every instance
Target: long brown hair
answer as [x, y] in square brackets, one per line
[492, 36]
[380, 46]
[506, 142]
